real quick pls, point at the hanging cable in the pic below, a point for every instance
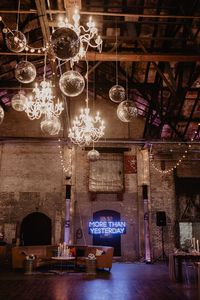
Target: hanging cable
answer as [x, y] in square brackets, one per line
[127, 83]
[116, 45]
[18, 14]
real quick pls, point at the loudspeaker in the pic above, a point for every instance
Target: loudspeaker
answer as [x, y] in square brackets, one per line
[68, 191]
[145, 191]
[160, 218]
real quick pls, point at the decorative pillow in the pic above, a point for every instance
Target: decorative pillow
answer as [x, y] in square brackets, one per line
[99, 252]
[73, 251]
[91, 256]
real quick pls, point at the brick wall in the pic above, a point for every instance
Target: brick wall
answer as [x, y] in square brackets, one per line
[32, 180]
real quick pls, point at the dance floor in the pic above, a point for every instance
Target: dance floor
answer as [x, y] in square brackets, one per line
[126, 281]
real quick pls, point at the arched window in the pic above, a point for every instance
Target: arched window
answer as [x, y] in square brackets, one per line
[36, 229]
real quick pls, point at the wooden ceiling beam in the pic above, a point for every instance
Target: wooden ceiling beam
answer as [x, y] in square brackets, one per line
[106, 56]
[100, 13]
[94, 56]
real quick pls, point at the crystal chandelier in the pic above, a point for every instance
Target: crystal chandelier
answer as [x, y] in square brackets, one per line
[71, 41]
[85, 128]
[43, 101]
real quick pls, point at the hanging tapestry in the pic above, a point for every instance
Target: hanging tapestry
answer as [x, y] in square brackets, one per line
[106, 174]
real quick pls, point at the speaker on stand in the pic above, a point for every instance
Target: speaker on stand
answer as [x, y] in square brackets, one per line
[161, 222]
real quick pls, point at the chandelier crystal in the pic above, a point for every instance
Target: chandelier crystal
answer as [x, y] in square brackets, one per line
[71, 41]
[86, 128]
[43, 103]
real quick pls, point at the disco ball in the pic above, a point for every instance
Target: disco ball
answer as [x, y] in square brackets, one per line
[72, 83]
[65, 43]
[15, 41]
[127, 111]
[25, 71]
[18, 102]
[50, 125]
[117, 93]
[93, 155]
[1, 114]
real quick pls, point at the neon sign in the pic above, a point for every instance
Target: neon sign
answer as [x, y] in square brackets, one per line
[107, 227]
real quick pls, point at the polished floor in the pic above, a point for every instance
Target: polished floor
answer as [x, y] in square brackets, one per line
[127, 281]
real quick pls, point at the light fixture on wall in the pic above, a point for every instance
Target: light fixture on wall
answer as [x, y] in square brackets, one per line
[86, 129]
[43, 100]
[71, 41]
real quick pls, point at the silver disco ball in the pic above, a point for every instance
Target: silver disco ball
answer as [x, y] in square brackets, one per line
[15, 41]
[1, 114]
[93, 155]
[65, 43]
[50, 125]
[127, 111]
[72, 83]
[25, 71]
[117, 93]
[18, 101]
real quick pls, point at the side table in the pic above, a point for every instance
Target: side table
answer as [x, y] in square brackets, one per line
[90, 266]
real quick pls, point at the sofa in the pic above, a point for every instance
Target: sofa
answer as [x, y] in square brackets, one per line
[103, 255]
[43, 254]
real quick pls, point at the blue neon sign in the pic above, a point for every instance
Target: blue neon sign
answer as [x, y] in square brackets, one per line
[107, 227]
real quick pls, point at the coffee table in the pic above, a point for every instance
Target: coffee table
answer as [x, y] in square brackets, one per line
[63, 259]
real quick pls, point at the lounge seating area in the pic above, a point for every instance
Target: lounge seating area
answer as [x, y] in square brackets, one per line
[43, 255]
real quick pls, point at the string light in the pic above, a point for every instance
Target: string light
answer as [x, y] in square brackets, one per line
[175, 166]
[6, 30]
[66, 164]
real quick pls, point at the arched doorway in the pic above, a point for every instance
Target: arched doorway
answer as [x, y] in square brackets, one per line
[36, 229]
[112, 240]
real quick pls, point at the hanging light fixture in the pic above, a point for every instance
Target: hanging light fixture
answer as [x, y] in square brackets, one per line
[25, 71]
[43, 101]
[117, 92]
[93, 155]
[15, 39]
[71, 41]
[72, 83]
[50, 124]
[85, 128]
[18, 101]
[126, 110]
